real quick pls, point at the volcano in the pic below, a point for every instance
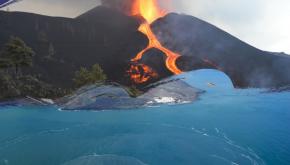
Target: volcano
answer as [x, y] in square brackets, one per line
[150, 12]
[114, 40]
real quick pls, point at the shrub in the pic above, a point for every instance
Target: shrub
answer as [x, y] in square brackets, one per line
[87, 77]
[16, 54]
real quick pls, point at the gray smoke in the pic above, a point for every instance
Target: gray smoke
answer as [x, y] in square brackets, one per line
[121, 5]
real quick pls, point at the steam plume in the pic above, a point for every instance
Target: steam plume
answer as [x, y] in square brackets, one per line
[122, 5]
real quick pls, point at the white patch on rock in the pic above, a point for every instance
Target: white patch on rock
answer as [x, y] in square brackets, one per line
[48, 101]
[164, 100]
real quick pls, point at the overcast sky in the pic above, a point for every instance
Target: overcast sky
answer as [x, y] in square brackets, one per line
[264, 24]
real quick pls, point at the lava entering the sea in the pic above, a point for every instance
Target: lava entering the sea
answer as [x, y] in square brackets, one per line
[150, 11]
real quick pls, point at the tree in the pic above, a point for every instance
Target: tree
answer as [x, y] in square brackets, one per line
[82, 77]
[92, 76]
[97, 74]
[16, 54]
[5, 63]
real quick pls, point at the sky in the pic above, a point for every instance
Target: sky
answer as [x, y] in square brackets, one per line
[264, 24]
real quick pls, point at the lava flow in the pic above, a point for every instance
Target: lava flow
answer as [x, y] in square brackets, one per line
[141, 73]
[149, 10]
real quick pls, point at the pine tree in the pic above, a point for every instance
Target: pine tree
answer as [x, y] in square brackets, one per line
[16, 54]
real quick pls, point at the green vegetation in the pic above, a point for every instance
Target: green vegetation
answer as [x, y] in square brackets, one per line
[27, 86]
[16, 54]
[92, 76]
[16, 82]
[7, 87]
[13, 83]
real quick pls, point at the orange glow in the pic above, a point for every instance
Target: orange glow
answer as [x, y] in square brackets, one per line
[150, 11]
[141, 73]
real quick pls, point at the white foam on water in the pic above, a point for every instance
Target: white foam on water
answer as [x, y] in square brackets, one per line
[247, 153]
[52, 131]
[217, 130]
[205, 134]
[105, 159]
[223, 159]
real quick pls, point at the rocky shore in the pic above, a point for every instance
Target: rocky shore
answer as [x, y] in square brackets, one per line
[94, 97]
[116, 97]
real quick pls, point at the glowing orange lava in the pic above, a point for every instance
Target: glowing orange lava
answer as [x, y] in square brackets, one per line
[150, 11]
[141, 73]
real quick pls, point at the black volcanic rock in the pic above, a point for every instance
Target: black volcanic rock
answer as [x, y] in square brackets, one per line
[155, 59]
[203, 45]
[111, 18]
[63, 45]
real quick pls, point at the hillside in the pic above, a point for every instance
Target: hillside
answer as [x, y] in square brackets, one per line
[110, 38]
[203, 45]
[63, 45]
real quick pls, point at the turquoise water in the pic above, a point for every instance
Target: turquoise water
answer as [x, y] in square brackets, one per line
[225, 126]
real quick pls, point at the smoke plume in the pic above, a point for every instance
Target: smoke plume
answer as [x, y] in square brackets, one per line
[121, 5]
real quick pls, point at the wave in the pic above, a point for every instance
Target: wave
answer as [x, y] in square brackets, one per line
[16, 140]
[237, 154]
[104, 160]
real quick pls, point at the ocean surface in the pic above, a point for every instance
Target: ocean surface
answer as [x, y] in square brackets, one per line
[225, 126]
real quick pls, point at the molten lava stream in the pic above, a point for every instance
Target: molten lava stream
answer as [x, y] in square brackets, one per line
[154, 43]
[149, 10]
